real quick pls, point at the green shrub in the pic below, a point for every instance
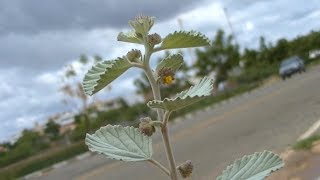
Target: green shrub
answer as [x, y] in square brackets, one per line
[306, 143]
[41, 161]
[256, 74]
[27, 145]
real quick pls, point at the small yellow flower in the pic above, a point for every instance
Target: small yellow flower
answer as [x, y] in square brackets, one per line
[168, 79]
[166, 76]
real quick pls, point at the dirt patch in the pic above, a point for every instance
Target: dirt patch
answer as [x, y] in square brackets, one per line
[299, 165]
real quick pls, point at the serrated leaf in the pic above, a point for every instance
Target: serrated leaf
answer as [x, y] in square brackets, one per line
[184, 39]
[129, 37]
[101, 74]
[121, 143]
[185, 98]
[253, 167]
[173, 61]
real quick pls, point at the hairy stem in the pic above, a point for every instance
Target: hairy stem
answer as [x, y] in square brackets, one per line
[157, 123]
[155, 89]
[157, 96]
[160, 166]
[166, 140]
[166, 118]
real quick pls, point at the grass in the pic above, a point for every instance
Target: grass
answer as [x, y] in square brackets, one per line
[41, 161]
[257, 74]
[306, 144]
[314, 62]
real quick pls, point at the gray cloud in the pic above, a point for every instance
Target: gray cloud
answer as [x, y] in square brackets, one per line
[41, 36]
[48, 51]
[32, 16]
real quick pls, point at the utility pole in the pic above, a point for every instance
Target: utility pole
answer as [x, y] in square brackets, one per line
[230, 25]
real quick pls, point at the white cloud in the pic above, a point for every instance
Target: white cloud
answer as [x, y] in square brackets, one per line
[48, 78]
[314, 15]
[249, 26]
[204, 16]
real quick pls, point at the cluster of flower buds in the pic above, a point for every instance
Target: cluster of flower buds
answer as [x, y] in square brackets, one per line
[146, 127]
[142, 25]
[166, 76]
[185, 169]
[134, 55]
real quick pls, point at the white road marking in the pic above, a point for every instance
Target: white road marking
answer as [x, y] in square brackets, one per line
[60, 164]
[33, 175]
[310, 131]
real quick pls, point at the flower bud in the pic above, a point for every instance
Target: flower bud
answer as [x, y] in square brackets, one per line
[142, 25]
[185, 169]
[133, 55]
[166, 76]
[145, 126]
[154, 39]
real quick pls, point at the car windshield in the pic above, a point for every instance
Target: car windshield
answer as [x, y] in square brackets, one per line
[288, 61]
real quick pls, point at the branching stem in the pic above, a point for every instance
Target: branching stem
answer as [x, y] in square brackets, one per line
[166, 118]
[157, 123]
[160, 166]
[170, 156]
[157, 96]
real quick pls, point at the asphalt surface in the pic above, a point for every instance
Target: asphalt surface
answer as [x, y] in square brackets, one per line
[271, 117]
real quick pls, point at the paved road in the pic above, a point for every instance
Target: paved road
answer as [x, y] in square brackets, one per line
[271, 117]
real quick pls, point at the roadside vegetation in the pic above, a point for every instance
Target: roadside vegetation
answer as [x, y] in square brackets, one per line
[306, 144]
[239, 71]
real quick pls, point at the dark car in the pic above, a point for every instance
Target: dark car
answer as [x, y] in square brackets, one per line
[290, 66]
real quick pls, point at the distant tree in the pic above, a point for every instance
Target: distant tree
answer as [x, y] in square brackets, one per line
[264, 52]
[221, 57]
[73, 88]
[280, 51]
[7, 145]
[262, 44]
[83, 59]
[143, 87]
[28, 144]
[97, 58]
[123, 103]
[52, 129]
[250, 57]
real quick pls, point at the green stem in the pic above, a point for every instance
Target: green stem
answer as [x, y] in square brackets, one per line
[155, 89]
[156, 49]
[166, 118]
[157, 96]
[156, 123]
[167, 144]
[160, 166]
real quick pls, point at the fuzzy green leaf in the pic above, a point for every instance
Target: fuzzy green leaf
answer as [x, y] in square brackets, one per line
[185, 98]
[184, 39]
[173, 61]
[253, 167]
[121, 143]
[101, 74]
[129, 37]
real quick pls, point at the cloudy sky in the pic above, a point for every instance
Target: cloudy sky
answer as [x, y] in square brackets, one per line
[39, 38]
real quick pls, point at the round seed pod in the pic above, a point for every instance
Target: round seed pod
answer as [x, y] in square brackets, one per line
[185, 169]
